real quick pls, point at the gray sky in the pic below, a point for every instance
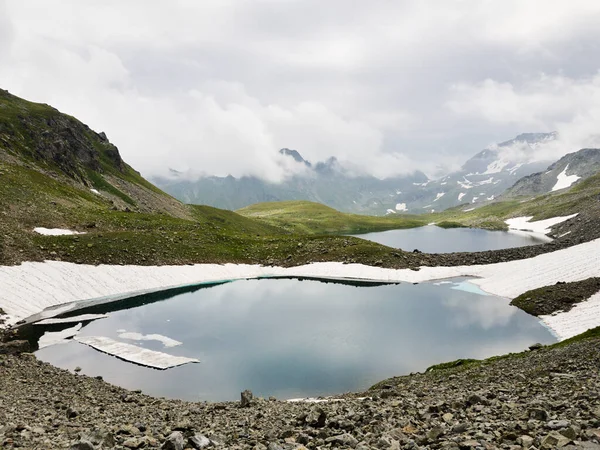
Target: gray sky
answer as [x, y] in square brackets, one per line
[218, 86]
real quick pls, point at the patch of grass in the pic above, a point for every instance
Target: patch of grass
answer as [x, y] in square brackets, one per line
[450, 224]
[453, 364]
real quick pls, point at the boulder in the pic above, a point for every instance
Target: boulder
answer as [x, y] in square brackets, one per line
[199, 441]
[175, 441]
[555, 440]
[82, 445]
[246, 398]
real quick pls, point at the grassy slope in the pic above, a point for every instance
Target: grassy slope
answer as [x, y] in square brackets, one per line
[132, 221]
[492, 216]
[314, 218]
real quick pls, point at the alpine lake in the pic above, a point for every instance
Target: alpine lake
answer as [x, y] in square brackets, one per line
[296, 338]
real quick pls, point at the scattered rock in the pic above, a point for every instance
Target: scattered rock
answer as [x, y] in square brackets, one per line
[246, 399]
[175, 441]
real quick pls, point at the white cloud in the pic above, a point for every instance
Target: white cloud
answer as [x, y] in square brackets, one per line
[549, 103]
[220, 85]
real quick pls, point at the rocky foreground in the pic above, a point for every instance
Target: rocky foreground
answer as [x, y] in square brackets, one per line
[546, 398]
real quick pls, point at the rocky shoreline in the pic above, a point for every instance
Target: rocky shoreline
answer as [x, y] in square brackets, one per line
[545, 398]
[548, 398]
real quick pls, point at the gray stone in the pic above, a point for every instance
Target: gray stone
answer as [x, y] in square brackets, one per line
[175, 441]
[538, 414]
[554, 440]
[525, 441]
[557, 424]
[246, 398]
[343, 439]
[316, 417]
[82, 445]
[199, 441]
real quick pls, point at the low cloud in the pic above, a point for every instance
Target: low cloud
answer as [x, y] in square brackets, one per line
[571, 107]
[218, 86]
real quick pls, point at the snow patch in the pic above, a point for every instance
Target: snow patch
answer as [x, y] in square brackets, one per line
[467, 210]
[563, 180]
[55, 231]
[540, 226]
[496, 166]
[390, 211]
[401, 207]
[581, 317]
[461, 195]
[439, 195]
[95, 191]
[134, 354]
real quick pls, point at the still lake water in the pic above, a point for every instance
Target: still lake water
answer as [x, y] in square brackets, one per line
[432, 239]
[297, 338]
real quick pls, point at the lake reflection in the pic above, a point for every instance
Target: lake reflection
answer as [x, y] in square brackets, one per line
[291, 338]
[432, 239]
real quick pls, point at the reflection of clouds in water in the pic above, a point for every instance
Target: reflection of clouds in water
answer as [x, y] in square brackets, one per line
[486, 313]
[297, 338]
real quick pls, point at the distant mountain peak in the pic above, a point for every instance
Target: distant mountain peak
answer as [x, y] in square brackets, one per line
[296, 155]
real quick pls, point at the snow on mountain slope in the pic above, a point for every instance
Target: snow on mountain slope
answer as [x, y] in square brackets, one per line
[562, 174]
[564, 181]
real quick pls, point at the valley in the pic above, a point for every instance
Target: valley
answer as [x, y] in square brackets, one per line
[83, 232]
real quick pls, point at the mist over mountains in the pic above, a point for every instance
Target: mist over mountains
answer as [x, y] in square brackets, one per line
[481, 179]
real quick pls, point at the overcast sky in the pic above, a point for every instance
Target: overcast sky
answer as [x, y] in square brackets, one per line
[218, 86]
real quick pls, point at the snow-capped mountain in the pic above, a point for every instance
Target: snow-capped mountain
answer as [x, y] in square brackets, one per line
[481, 179]
[564, 173]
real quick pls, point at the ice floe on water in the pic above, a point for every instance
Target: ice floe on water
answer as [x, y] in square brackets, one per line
[58, 337]
[55, 231]
[166, 341]
[134, 354]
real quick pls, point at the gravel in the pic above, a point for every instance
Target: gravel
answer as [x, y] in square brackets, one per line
[546, 398]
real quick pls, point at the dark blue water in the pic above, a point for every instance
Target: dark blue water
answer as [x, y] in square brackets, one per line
[432, 239]
[290, 338]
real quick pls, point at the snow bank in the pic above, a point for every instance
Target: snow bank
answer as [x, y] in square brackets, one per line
[540, 226]
[75, 319]
[564, 181]
[55, 231]
[582, 317]
[135, 354]
[32, 287]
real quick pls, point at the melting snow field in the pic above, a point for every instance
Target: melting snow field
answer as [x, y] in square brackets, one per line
[32, 287]
[564, 181]
[540, 226]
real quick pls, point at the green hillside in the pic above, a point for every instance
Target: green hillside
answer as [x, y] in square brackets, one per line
[314, 218]
[55, 172]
